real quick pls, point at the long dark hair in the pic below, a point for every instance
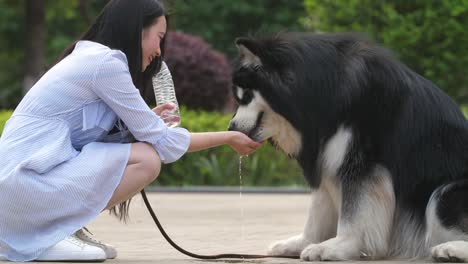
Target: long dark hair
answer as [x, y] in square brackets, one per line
[119, 26]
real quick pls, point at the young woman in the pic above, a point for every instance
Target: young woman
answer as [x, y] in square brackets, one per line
[59, 167]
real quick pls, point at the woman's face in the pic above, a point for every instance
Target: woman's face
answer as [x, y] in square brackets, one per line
[150, 40]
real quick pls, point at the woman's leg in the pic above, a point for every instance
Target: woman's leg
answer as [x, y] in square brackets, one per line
[142, 168]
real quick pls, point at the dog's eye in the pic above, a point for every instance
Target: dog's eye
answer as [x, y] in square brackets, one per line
[242, 96]
[246, 97]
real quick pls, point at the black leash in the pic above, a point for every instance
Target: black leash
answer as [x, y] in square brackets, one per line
[193, 255]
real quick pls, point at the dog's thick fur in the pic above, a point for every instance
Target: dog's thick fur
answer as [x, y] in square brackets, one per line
[384, 150]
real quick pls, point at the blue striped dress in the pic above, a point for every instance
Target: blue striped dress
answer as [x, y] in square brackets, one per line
[58, 165]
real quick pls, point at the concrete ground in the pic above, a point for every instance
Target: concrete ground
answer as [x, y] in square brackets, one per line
[204, 223]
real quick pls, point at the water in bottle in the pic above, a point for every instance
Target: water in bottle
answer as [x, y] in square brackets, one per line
[164, 92]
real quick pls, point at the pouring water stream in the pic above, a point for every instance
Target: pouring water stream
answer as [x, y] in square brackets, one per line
[240, 199]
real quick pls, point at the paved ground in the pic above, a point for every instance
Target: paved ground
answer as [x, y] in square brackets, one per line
[204, 224]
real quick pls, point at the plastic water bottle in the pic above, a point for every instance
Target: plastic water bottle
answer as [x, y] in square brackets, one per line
[164, 92]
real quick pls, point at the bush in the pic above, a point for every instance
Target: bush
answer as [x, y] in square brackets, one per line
[202, 76]
[429, 35]
[4, 115]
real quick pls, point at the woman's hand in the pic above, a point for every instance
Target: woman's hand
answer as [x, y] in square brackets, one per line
[242, 144]
[165, 112]
[165, 107]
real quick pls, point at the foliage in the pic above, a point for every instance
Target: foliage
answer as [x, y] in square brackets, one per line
[202, 76]
[11, 73]
[64, 25]
[429, 35]
[219, 22]
[4, 116]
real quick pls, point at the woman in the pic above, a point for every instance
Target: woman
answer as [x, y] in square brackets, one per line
[59, 167]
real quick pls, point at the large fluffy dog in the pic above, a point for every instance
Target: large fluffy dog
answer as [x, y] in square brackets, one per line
[384, 150]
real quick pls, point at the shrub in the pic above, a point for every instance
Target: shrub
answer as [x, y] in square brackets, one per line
[202, 76]
[4, 115]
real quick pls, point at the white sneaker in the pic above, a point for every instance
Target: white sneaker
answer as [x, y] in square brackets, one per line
[87, 237]
[73, 249]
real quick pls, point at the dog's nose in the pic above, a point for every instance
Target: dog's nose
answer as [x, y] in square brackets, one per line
[232, 126]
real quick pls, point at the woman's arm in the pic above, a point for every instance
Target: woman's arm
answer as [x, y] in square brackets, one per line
[113, 84]
[241, 143]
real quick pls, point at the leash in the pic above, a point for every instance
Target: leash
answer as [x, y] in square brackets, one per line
[193, 255]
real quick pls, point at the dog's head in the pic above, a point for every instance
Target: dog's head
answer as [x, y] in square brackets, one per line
[262, 86]
[296, 84]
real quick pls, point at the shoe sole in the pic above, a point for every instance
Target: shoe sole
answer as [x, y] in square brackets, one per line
[74, 260]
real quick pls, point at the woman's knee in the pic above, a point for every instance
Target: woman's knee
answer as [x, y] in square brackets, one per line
[147, 158]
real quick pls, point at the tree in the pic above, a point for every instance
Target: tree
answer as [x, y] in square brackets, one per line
[33, 34]
[429, 36]
[35, 42]
[11, 51]
[219, 22]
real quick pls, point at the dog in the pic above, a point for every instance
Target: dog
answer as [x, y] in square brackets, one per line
[383, 149]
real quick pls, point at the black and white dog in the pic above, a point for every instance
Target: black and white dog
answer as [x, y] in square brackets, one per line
[384, 150]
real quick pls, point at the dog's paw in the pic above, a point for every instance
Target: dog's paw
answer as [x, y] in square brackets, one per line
[312, 252]
[454, 251]
[332, 249]
[289, 247]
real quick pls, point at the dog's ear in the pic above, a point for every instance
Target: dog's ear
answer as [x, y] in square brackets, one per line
[248, 52]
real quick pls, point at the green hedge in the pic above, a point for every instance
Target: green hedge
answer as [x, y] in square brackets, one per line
[220, 166]
[4, 115]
